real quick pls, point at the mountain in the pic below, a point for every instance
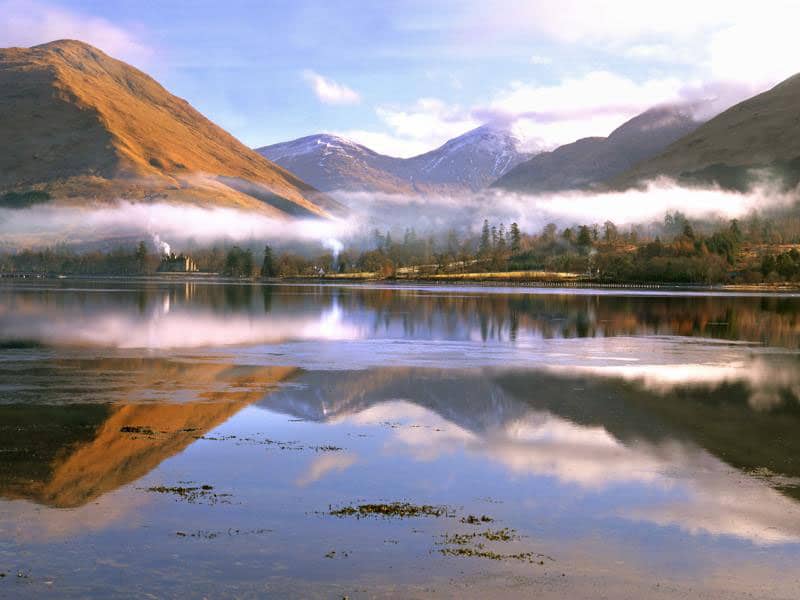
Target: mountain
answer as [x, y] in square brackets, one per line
[762, 132]
[593, 160]
[330, 163]
[81, 126]
[466, 163]
[472, 160]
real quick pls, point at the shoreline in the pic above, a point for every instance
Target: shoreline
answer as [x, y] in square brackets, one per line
[481, 280]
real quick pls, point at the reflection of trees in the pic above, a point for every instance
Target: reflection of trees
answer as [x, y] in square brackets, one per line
[508, 316]
[238, 297]
[453, 313]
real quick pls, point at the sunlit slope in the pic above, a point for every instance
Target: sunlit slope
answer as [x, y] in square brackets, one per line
[83, 126]
[762, 132]
[66, 456]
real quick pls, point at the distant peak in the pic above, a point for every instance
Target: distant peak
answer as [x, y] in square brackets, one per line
[319, 143]
[492, 137]
[329, 137]
[490, 129]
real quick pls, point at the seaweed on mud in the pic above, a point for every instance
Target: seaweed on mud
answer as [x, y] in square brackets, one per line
[473, 520]
[208, 534]
[498, 535]
[192, 494]
[480, 552]
[327, 448]
[140, 429]
[399, 510]
[470, 544]
[263, 441]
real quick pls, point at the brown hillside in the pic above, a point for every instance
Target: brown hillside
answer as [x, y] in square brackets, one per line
[81, 126]
[761, 133]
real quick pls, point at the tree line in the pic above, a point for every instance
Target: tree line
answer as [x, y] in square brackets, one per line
[676, 250]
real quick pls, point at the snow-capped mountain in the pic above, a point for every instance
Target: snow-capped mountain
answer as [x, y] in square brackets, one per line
[329, 162]
[472, 160]
[469, 162]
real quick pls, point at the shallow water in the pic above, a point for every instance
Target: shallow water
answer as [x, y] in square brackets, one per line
[191, 439]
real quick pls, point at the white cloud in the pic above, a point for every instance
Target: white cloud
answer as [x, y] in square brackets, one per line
[591, 105]
[547, 116]
[537, 59]
[329, 91]
[26, 23]
[758, 49]
[738, 40]
[543, 116]
[683, 51]
[425, 125]
[385, 143]
[656, 52]
[428, 119]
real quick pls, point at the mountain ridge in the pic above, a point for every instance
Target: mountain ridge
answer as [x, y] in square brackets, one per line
[468, 162]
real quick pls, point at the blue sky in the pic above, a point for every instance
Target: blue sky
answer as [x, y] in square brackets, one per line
[404, 76]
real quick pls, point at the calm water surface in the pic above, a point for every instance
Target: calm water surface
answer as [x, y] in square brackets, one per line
[193, 439]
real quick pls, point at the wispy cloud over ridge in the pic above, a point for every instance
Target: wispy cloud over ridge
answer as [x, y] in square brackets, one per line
[329, 91]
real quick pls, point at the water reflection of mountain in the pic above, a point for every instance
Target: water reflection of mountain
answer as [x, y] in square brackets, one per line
[672, 449]
[719, 416]
[95, 313]
[68, 454]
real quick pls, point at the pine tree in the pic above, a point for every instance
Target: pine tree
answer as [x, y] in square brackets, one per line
[452, 243]
[485, 246]
[610, 233]
[584, 237]
[141, 257]
[501, 239]
[378, 238]
[516, 238]
[268, 265]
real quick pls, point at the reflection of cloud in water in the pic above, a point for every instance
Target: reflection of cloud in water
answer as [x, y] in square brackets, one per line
[699, 492]
[175, 329]
[326, 464]
[768, 381]
[24, 521]
[594, 433]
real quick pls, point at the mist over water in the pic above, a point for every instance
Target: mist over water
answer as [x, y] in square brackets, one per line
[171, 226]
[532, 212]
